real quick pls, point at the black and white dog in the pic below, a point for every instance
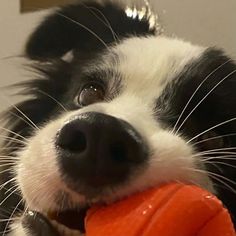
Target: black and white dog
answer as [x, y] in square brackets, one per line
[116, 109]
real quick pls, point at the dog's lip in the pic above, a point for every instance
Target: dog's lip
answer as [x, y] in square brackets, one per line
[71, 218]
[65, 231]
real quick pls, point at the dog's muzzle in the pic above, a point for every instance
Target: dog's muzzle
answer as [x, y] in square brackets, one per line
[98, 150]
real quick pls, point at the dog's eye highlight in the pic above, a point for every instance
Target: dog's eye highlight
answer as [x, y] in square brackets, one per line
[90, 93]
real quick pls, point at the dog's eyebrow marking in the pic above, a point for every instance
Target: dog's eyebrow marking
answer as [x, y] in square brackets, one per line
[68, 57]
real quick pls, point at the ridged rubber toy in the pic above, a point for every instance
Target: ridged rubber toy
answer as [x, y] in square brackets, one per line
[169, 210]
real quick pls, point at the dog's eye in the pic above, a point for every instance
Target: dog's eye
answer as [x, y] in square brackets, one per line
[91, 93]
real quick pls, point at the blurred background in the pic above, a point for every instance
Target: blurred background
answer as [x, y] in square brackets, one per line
[205, 22]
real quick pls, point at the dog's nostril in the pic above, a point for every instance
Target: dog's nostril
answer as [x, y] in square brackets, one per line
[118, 152]
[77, 142]
[72, 139]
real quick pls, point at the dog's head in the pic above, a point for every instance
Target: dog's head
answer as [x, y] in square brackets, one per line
[118, 109]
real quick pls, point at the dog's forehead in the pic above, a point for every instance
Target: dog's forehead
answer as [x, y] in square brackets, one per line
[147, 64]
[158, 57]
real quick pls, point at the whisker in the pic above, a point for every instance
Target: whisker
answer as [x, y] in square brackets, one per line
[106, 23]
[7, 219]
[12, 57]
[11, 188]
[28, 121]
[25, 211]
[224, 183]
[224, 157]
[216, 176]
[83, 26]
[6, 170]
[8, 164]
[13, 212]
[55, 100]
[215, 137]
[7, 161]
[200, 102]
[7, 182]
[13, 139]
[6, 148]
[4, 212]
[21, 112]
[220, 163]
[8, 196]
[25, 121]
[211, 128]
[16, 193]
[222, 149]
[12, 132]
[232, 154]
[8, 157]
[199, 86]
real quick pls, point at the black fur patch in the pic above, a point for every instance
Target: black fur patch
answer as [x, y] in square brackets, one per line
[219, 106]
[84, 27]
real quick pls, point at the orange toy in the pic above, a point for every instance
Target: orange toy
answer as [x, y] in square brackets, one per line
[171, 210]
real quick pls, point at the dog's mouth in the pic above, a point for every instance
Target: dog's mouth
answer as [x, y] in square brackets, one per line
[69, 222]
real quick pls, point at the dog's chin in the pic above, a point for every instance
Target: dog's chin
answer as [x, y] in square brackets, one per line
[69, 217]
[67, 220]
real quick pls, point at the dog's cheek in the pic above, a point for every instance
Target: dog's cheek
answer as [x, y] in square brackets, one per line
[37, 171]
[174, 159]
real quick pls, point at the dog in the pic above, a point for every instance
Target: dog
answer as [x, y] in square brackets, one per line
[115, 108]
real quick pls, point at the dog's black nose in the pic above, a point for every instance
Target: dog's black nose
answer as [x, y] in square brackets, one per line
[98, 150]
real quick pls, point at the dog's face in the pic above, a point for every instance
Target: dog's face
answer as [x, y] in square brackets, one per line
[115, 120]
[111, 142]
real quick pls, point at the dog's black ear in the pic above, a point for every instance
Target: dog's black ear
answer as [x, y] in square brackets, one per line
[84, 27]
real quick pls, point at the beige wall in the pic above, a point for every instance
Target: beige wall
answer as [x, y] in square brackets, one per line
[14, 29]
[207, 22]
